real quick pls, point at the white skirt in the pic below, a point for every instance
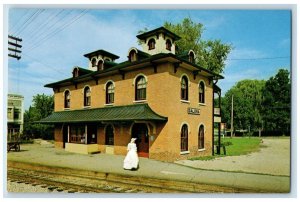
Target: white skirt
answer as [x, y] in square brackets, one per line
[131, 160]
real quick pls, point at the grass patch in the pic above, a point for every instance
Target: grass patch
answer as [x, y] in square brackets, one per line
[241, 145]
[235, 146]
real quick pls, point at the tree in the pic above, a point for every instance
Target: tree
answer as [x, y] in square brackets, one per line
[42, 107]
[210, 54]
[277, 103]
[247, 95]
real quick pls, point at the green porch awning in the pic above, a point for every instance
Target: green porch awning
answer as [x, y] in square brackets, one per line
[135, 112]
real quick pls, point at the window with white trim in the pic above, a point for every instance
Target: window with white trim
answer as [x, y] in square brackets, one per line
[184, 138]
[201, 137]
[151, 44]
[201, 92]
[87, 96]
[140, 88]
[110, 92]
[184, 88]
[67, 99]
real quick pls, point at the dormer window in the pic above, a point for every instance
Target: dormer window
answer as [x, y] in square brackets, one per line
[151, 44]
[93, 62]
[132, 56]
[168, 44]
[191, 57]
[100, 65]
[75, 72]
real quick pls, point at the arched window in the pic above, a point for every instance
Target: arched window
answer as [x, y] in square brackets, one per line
[184, 88]
[132, 56]
[184, 138]
[87, 96]
[109, 135]
[100, 65]
[140, 88]
[168, 44]
[201, 137]
[75, 72]
[110, 92]
[192, 57]
[201, 92]
[93, 62]
[151, 44]
[67, 99]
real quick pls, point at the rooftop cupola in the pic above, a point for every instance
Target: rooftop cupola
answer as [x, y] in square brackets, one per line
[98, 58]
[159, 40]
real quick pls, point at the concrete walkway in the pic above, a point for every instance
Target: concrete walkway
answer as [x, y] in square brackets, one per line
[273, 158]
[47, 155]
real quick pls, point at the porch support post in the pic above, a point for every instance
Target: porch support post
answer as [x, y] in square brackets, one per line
[85, 134]
[68, 133]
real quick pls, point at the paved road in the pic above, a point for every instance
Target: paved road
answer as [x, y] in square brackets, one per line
[273, 158]
[46, 154]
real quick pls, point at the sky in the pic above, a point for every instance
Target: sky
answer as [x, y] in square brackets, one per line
[55, 40]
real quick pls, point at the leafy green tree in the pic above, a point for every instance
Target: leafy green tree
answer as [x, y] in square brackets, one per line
[210, 54]
[247, 99]
[42, 107]
[277, 102]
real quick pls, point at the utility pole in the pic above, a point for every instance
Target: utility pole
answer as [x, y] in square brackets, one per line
[13, 47]
[231, 116]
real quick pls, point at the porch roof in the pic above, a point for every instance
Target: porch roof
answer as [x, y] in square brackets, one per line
[135, 112]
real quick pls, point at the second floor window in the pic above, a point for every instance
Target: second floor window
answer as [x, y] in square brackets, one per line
[140, 88]
[87, 96]
[110, 91]
[67, 99]
[184, 88]
[201, 92]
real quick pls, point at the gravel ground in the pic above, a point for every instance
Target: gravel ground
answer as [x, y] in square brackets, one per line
[16, 187]
[273, 158]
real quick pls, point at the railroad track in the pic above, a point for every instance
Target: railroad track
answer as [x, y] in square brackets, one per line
[84, 181]
[75, 184]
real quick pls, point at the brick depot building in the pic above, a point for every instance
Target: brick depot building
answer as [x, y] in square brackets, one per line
[163, 99]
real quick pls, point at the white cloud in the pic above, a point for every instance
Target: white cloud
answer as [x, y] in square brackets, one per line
[54, 59]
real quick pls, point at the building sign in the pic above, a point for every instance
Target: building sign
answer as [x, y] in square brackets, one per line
[194, 111]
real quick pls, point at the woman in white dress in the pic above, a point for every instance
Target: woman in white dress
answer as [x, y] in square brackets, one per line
[131, 160]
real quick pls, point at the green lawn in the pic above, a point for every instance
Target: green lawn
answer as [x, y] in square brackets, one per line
[241, 145]
[235, 146]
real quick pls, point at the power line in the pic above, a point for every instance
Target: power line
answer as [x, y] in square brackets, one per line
[17, 23]
[43, 26]
[28, 21]
[32, 20]
[61, 28]
[48, 31]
